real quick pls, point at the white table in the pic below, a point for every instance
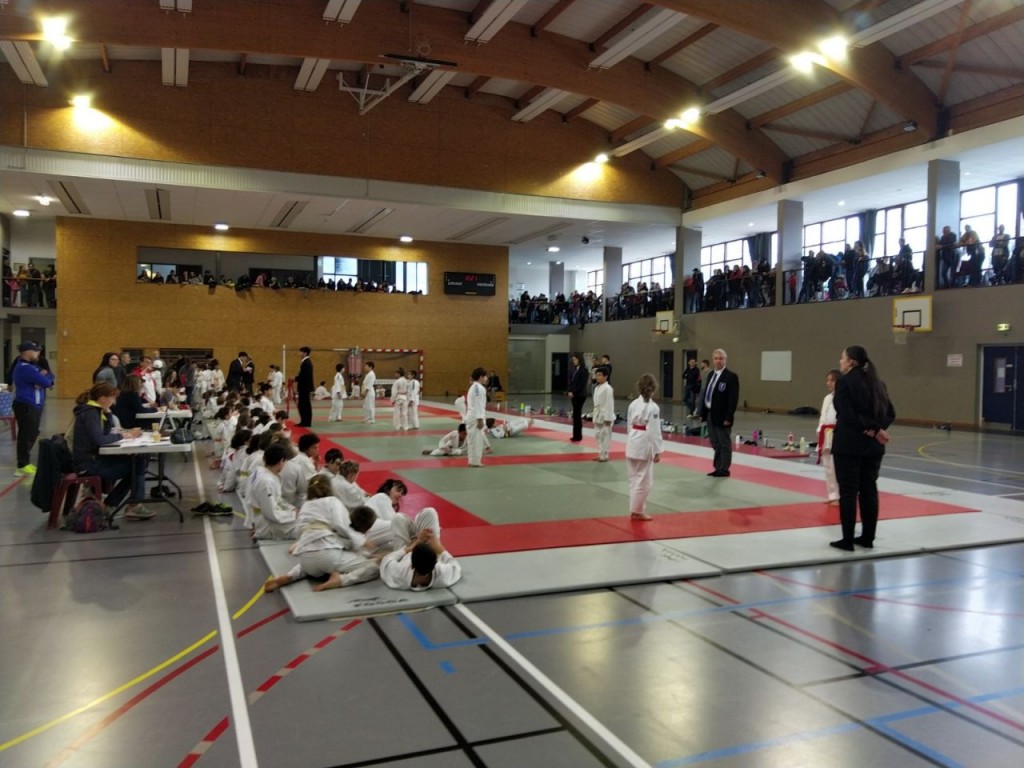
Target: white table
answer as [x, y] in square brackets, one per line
[146, 446]
[174, 415]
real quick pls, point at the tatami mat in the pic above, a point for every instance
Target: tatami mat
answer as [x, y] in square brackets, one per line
[369, 599]
[513, 574]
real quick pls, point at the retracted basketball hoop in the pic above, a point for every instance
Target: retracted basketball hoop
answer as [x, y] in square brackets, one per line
[902, 333]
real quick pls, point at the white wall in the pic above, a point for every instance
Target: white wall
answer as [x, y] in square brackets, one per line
[33, 239]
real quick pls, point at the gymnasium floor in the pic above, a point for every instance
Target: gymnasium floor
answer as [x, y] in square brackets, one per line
[152, 645]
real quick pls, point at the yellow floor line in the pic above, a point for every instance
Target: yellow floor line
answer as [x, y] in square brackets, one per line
[248, 605]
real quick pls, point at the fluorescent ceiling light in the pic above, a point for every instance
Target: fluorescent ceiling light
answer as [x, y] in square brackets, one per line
[220, 226]
[553, 249]
[648, 138]
[310, 74]
[405, 239]
[371, 221]
[174, 66]
[601, 158]
[81, 101]
[158, 202]
[542, 103]
[900, 21]
[431, 85]
[44, 200]
[747, 92]
[834, 47]
[653, 27]
[341, 10]
[286, 215]
[69, 196]
[21, 213]
[495, 16]
[55, 32]
[477, 228]
[805, 61]
[23, 61]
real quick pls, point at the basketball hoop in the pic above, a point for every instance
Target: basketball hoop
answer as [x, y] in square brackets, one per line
[900, 334]
[657, 334]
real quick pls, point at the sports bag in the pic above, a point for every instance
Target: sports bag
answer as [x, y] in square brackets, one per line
[88, 516]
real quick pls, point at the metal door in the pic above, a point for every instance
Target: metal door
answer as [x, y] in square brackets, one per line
[559, 372]
[667, 358]
[1001, 397]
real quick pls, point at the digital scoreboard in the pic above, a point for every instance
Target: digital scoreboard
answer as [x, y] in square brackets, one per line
[469, 283]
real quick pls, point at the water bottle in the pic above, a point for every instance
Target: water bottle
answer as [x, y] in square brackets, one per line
[803, 445]
[739, 441]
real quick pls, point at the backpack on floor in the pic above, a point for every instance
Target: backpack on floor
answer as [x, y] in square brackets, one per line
[87, 516]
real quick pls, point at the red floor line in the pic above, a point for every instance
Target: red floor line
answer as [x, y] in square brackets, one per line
[945, 608]
[253, 627]
[776, 577]
[92, 731]
[204, 744]
[11, 487]
[877, 668]
[710, 591]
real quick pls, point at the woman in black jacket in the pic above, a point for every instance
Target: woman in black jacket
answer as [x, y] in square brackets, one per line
[129, 403]
[578, 380]
[863, 413]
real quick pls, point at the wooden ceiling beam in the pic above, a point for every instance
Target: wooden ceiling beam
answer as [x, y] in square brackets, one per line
[686, 42]
[699, 172]
[548, 18]
[105, 58]
[242, 61]
[863, 6]
[973, 32]
[579, 109]
[620, 25]
[691, 149]
[947, 73]
[748, 66]
[800, 104]
[286, 28]
[1010, 73]
[634, 125]
[795, 25]
[529, 96]
[476, 85]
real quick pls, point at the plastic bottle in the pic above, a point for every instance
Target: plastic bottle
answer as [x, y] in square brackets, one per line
[739, 441]
[803, 445]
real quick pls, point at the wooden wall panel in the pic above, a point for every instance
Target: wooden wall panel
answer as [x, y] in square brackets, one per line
[102, 308]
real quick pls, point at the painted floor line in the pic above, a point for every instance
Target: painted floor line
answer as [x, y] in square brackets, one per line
[590, 724]
[236, 692]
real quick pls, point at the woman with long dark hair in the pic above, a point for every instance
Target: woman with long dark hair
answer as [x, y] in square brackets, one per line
[578, 379]
[863, 414]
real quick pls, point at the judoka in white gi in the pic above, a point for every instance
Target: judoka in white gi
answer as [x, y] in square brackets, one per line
[414, 400]
[603, 413]
[345, 486]
[339, 393]
[499, 430]
[643, 445]
[276, 381]
[422, 562]
[826, 425]
[299, 469]
[274, 517]
[332, 542]
[400, 401]
[369, 390]
[452, 444]
[476, 413]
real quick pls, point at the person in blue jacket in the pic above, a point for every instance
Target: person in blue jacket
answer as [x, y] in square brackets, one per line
[30, 385]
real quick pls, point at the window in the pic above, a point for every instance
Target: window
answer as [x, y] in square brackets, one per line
[984, 209]
[733, 253]
[908, 221]
[595, 282]
[833, 235]
[339, 268]
[657, 270]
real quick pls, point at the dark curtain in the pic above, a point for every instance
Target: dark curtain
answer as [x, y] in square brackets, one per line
[867, 229]
[1020, 206]
[759, 247]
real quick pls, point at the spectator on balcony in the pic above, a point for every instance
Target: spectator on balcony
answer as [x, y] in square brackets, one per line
[863, 264]
[1000, 245]
[975, 255]
[50, 286]
[946, 254]
[807, 266]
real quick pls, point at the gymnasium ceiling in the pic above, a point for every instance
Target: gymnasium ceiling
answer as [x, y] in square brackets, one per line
[625, 66]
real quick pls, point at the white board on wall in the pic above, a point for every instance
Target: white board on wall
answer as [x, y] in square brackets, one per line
[776, 366]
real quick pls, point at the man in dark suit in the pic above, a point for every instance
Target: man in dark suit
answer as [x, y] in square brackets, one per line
[304, 389]
[236, 373]
[718, 401]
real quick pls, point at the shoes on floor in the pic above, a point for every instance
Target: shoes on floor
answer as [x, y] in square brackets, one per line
[843, 544]
[860, 541]
[201, 509]
[218, 509]
[28, 470]
[720, 473]
[138, 513]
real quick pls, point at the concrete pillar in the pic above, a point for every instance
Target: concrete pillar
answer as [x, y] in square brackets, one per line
[556, 278]
[943, 211]
[687, 259]
[612, 276]
[790, 218]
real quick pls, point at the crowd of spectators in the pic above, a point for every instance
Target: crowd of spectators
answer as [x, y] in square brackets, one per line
[643, 301]
[578, 309]
[27, 286]
[307, 281]
[960, 261]
[852, 274]
[737, 287]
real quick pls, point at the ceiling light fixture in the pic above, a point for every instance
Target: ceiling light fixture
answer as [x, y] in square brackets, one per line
[341, 11]
[542, 103]
[44, 200]
[655, 25]
[310, 74]
[900, 21]
[833, 48]
[220, 226]
[841, 203]
[910, 127]
[747, 92]
[601, 158]
[23, 61]
[495, 16]
[648, 138]
[431, 85]
[81, 101]
[21, 213]
[805, 61]
[55, 32]
[405, 239]
[554, 249]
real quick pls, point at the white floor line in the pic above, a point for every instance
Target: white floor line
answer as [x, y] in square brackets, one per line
[594, 728]
[952, 477]
[239, 707]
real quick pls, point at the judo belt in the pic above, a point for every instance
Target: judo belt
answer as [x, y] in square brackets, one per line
[640, 428]
[825, 429]
[256, 510]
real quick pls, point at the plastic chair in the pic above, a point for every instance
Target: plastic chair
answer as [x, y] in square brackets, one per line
[69, 481]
